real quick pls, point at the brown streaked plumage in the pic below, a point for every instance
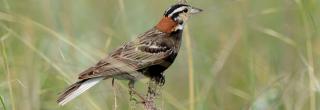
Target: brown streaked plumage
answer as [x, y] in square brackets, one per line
[149, 55]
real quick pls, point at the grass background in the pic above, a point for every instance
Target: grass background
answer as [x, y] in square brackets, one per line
[236, 55]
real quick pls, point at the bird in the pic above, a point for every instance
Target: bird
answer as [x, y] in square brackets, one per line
[147, 56]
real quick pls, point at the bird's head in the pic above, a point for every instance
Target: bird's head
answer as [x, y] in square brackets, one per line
[181, 12]
[175, 17]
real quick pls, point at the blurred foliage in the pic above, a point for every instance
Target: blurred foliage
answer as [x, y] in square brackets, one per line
[247, 54]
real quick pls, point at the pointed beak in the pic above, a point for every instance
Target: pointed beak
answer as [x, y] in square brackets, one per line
[195, 10]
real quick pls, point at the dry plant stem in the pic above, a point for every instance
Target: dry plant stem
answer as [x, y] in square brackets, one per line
[153, 92]
[133, 101]
[2, 102]
[5, 61]
[190, 64]
[150, 106]
[49, 61]
[134, 92]
[308, 25]
[190, 69]
[167, 96]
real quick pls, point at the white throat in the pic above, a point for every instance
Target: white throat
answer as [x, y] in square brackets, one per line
[179, 27]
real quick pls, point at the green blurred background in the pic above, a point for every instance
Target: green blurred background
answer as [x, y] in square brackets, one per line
[236, 55]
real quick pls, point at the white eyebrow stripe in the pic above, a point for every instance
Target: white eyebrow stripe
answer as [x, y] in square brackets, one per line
[177, 10]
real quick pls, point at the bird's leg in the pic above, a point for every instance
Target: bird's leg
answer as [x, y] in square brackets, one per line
[133, 92]
[131, 87]
[115, 94]
[112, 82]
[132, 100]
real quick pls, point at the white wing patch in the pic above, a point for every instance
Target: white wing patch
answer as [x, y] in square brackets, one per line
[154, 46]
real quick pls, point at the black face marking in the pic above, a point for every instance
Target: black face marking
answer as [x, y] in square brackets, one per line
[185, 10]
[176, 32]
[172, 8]
[176, 14]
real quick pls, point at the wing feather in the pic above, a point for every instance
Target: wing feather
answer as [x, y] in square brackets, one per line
[150, 49]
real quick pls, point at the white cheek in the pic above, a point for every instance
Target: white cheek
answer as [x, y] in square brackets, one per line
[185, 17]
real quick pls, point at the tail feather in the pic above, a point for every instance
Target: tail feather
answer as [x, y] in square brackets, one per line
[76, 89]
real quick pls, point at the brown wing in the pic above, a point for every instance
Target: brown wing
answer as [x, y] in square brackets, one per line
[147, 53]
[149, 49]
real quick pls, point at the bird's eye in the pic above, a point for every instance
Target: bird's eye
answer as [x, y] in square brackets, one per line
[185, 10]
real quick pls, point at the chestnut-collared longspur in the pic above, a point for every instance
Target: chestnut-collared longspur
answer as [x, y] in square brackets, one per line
[148, 55]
